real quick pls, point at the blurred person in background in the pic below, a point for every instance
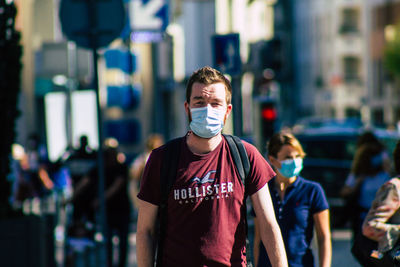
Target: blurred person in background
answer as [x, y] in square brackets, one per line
[79, 162]
[32, 179]
[300, 205]
[116, 199]
[22, 187]
[370, 169]
[136, 168]
[37, 166]
[382, 223]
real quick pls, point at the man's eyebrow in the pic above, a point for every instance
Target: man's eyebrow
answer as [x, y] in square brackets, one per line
[197, 97]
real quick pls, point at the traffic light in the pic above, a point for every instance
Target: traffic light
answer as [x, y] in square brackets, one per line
[269, 55]
[268, 118]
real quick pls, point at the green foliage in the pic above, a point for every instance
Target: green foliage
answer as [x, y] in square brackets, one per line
[10, 80]
[391, 56]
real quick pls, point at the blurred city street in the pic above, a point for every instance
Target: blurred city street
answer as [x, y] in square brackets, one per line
[341, 245]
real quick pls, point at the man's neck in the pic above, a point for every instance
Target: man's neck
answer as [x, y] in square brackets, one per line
[200, 145]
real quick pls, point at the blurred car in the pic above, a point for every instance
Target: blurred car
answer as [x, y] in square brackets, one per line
[330, 152]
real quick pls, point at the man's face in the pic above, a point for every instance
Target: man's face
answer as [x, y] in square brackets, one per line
[212, 94]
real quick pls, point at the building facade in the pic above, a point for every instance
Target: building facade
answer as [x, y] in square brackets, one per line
[337, 54]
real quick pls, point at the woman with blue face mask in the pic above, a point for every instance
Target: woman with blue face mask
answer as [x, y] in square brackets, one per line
[300, 206]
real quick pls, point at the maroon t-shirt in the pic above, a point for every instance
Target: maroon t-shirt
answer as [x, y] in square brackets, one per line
[205, 225]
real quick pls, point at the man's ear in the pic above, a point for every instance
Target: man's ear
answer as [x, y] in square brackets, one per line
[228, 110]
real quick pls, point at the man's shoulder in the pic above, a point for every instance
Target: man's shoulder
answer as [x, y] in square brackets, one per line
[175, 143]
[251, 149]
[172, 143]
[248, 146]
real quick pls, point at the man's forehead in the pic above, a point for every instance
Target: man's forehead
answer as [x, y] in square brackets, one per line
[200, 89]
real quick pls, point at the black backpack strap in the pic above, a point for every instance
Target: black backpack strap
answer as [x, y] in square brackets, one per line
[242, 163]
[169, 168]
[240, 157]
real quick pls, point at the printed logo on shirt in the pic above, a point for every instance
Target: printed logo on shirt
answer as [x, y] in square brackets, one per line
[205, 179]
[198, 190]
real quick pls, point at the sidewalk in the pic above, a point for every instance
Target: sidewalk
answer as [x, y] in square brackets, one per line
[341, 245]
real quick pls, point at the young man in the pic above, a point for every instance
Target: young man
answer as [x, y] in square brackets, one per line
[205, 222]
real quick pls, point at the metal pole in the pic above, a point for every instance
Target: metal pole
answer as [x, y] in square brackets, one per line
[237, 105]
[101, 223]
[70, 87]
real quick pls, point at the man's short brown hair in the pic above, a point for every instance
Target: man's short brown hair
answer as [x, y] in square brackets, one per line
[207, 76]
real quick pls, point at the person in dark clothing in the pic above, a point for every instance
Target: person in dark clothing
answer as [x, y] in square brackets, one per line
[117, 203]
[80, 162]
[370, 169]
[37, 166]
[300, 207]
[116, 200]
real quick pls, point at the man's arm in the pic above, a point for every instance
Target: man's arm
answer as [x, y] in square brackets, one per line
[269, 229]
[323, 231]
[145, 236]
[256, 243]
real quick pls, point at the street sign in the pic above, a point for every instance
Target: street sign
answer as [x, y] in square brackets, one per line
[148, 19]
[226, 53]
[90, 23]
[121, 58]
[148, 15]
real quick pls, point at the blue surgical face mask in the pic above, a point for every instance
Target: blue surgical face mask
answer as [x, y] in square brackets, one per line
[207, 121]
[291, 167]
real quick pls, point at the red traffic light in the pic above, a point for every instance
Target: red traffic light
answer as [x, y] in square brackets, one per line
[269, 113]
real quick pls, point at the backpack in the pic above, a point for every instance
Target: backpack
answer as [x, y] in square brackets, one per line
[169, 169]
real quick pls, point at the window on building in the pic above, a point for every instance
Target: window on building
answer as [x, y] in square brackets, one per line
[350, 18]
[351, 69]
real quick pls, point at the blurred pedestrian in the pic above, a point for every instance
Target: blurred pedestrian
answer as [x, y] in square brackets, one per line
[116, 199]
[382, 223]
[370, 169]
[205, 224]
[22, 186]
[36, 164]
[80, 160]
[136, 168]
[117, 203]
[76, 163]
[300, 206]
